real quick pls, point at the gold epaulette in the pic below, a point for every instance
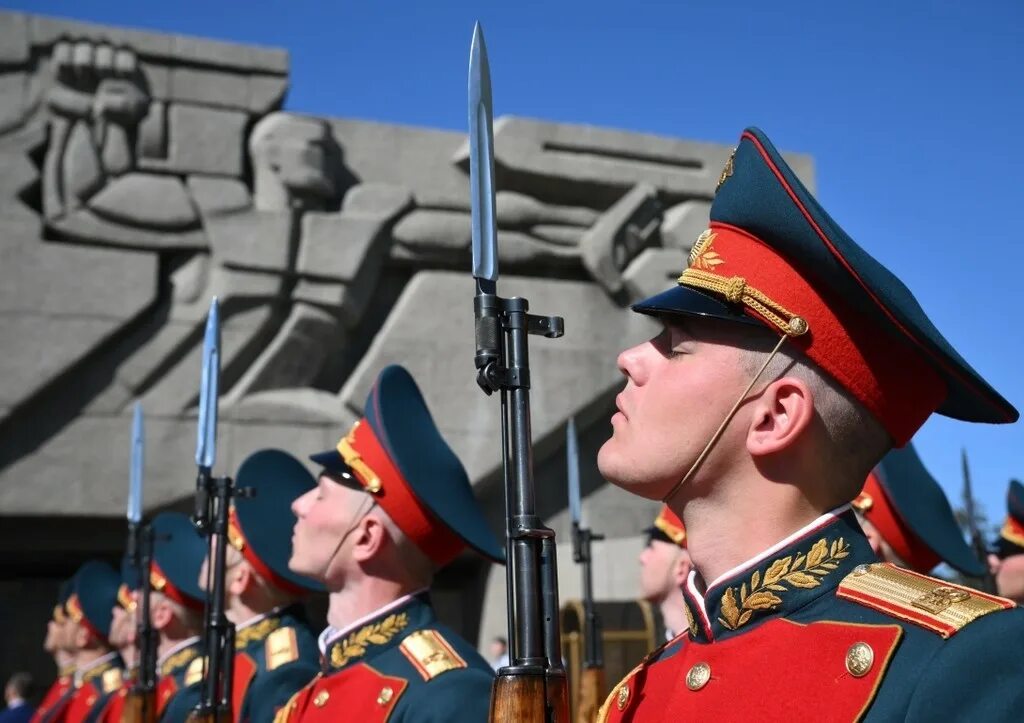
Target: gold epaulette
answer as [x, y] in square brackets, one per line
[111, 680]
[194, 674]
[430, 653]
[935, 604]
[281, 647]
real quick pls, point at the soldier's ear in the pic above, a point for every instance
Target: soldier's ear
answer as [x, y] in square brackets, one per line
[780, 416]
[370, 536]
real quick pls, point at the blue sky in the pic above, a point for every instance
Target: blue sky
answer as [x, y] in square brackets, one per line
[911, 114]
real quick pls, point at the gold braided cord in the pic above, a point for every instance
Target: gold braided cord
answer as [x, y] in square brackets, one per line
[721, 427]
[736, 290]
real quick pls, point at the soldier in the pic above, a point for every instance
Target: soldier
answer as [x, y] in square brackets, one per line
[664, 566]
[122, 637]
[176, 612]
[277, 652]
[392, 505]
[789, 362]
[1007, 562]
[97, 664]
[908, 520]
[55, 643]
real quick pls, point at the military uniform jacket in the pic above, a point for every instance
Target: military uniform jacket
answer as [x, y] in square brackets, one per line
[177, 689]
[276, 657]
[94, 686]
[401, 666]
[56, 698]
[114, 707]
[816, 629]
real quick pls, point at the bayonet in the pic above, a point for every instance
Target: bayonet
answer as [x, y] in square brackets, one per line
[209, 381]
[532, 688]
[572, 466]
[134, 512]
[481, 166]
[988, 582]
[212, 509]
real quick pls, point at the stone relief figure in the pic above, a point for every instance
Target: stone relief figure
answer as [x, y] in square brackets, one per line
[147, 173]
[93, 189]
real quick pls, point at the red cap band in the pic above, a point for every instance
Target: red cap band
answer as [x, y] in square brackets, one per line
[876, 507]
[668, 522]
[373, 467]
[892, 380]
[159, 582]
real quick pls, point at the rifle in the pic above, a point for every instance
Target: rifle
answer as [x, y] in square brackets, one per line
[592, 681]
[988, 582]
[532, 688]
[212, 507]
[140, 703]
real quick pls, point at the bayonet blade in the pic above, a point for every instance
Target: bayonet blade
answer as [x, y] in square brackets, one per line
[481, 162]
[206, 437]
[135, 471]
[572, 464]
[968, 492]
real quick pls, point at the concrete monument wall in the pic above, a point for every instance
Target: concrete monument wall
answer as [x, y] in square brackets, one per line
[144, 173]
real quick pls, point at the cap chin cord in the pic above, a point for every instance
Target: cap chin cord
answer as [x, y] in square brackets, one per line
[725, 422]
[355, 523]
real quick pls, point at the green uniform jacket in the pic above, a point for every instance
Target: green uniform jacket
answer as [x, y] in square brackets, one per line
[402, 666]
[816, 629]
[275, 657]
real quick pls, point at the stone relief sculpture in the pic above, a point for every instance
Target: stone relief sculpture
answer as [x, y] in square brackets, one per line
[147, 173]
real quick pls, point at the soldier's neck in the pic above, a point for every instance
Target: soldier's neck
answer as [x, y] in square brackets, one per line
[724, 530]
[86, 657]
[354, 603]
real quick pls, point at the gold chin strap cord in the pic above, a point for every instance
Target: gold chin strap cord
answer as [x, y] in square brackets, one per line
[802, 325]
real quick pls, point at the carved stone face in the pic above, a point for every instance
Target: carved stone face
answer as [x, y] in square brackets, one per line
[298, 153]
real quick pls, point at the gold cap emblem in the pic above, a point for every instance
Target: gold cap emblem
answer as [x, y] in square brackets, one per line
[859, 659]
[727, 171]
[698, 676]
[622, 697]
[321, 699]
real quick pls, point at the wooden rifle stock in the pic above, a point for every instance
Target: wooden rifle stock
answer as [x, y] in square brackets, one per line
[592, 688]
[531, 698]
[139, 706]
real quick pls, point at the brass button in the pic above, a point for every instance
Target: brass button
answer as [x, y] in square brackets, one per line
[622, 697]
[385, 696]
[698, 676]
[321, 699]
[859, 659]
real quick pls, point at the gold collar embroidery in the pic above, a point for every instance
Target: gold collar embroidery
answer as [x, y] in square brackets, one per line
[178, 660]
[254, 633]
[801, 571]
[354, 646]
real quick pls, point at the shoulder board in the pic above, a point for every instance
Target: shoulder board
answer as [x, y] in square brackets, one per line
[194, 674]
[937, 605]
[111, 680]
[430, 653]
[281, 647]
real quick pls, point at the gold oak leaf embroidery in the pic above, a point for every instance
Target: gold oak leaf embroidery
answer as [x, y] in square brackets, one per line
[374, 634]
[784, 574]
[701, 255]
